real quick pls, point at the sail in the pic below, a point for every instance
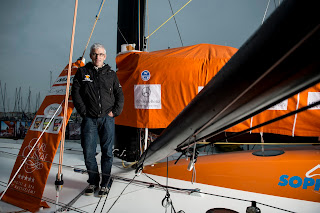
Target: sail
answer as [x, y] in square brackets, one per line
[28, 184]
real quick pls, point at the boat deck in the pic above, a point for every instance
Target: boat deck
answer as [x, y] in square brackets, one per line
[143, 194]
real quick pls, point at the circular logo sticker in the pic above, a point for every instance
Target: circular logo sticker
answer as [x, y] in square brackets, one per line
[145, 75]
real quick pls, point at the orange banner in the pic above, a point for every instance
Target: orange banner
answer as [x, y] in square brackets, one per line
[28, 184]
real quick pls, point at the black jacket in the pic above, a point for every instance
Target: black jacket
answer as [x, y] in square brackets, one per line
[97, 92]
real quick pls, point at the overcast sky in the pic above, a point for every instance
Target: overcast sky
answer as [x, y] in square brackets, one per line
[36, 34]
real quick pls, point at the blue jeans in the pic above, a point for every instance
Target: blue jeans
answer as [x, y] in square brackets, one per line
[91, 129]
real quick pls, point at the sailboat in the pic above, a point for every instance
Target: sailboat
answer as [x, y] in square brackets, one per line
[274, 64]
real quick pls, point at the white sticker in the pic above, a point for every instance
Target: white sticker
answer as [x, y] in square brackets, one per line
[200, 88]
[147, 96]
[280, 106]
[312, 98]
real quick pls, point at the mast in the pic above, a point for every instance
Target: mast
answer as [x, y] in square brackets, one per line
[131, 23]
[130, 30]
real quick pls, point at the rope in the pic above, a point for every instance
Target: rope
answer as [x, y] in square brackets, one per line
[128, 166]
[265, 12]
[94, 25]
[222, 196]
[175, 23]
[121, 193]
[168, 19]
[65, 113]
[122, 34]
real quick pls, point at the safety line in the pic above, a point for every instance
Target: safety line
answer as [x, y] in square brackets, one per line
[168, 19]
[222, 196]
[94, 25]
[121, 193]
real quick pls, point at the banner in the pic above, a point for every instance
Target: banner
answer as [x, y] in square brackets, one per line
[28, 185]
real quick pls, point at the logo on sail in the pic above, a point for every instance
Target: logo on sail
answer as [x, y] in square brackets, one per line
[36, 158]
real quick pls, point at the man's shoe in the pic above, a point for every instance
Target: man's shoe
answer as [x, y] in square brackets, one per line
[90, 190]
[104, 191]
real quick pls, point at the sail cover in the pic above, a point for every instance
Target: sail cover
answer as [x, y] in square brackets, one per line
[306, 123]
[158, 85]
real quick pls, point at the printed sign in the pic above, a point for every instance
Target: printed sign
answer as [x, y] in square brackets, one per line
[42, 123]
[312, 98]
[29, 179]
[147, 96]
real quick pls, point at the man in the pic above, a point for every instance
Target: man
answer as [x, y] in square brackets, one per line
[98, 98]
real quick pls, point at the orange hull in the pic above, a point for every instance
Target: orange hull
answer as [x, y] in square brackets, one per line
[294, 174]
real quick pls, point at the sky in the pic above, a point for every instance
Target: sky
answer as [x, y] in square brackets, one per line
[35, 35]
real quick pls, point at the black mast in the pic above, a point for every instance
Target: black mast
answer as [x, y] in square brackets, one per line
[130, 30]
[131, 24]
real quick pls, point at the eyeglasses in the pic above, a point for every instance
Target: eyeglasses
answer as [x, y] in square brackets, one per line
[99, 54]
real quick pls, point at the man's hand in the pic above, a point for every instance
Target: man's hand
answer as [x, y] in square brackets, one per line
[110, 114]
